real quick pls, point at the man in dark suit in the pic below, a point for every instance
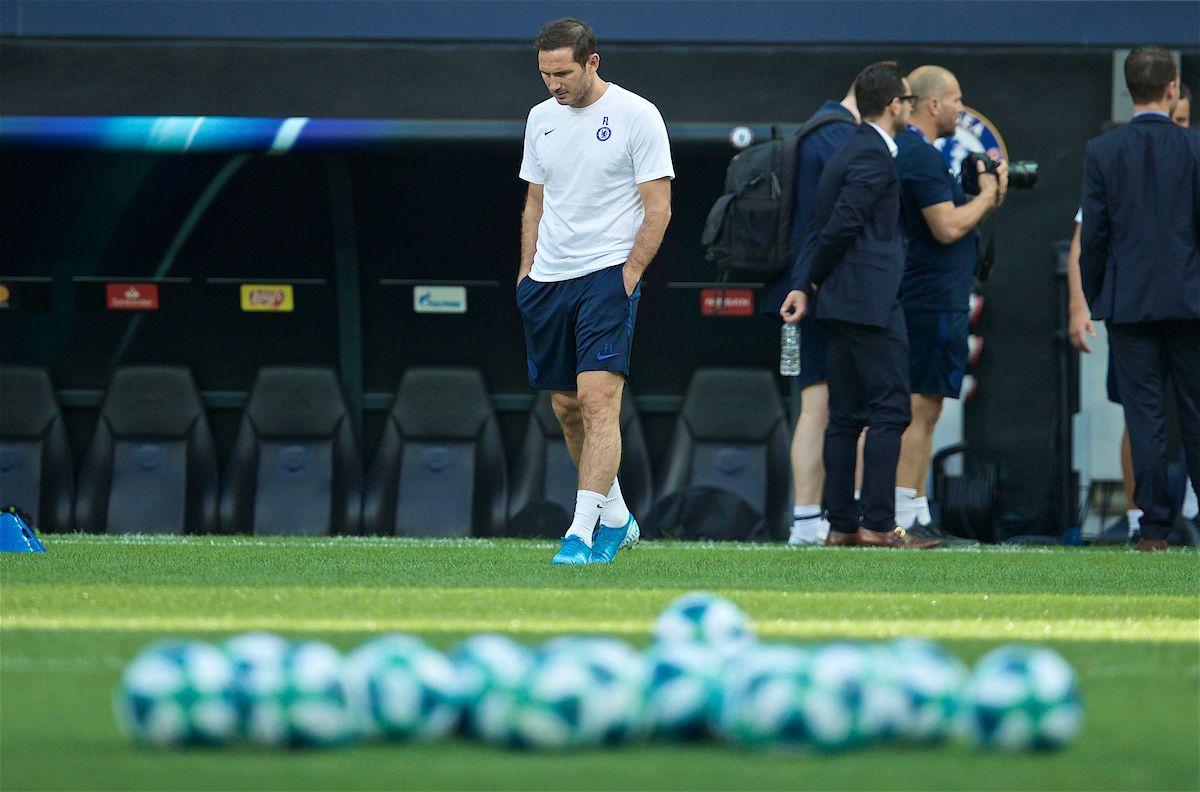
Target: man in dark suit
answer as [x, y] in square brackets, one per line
[839, 121]
[1139, 264]
[853, 259]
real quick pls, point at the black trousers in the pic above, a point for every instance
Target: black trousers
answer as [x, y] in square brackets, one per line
[1144, 355]
[867, 373]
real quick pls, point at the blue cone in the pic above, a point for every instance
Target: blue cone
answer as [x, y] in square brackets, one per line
[16, 537]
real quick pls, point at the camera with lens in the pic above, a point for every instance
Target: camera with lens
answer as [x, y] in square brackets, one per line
[1022, 175]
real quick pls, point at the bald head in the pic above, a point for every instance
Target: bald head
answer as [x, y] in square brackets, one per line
[939, 100]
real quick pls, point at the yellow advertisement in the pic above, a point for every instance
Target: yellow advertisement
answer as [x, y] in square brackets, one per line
[267, 297]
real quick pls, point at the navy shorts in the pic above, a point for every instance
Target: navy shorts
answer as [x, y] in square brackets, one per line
[937, 351]
[814, 345]
[1114, 395]
[582, 324]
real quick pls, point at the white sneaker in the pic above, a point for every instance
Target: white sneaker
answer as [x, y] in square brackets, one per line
[811, 531]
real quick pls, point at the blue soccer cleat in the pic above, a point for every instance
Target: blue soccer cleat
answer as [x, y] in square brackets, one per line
[573, 551]
[607, 541]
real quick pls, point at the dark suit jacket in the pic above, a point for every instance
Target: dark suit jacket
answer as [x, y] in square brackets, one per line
[854, 250]
[1141, 222]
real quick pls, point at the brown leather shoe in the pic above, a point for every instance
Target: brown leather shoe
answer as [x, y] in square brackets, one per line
[1150, 545]
[839, 539]
[897, 537]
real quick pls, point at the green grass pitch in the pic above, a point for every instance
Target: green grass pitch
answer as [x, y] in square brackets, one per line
[72, 618]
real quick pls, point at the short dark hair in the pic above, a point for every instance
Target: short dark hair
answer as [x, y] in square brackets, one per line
[1185, 93]
[1148, 71]
[566, 33]
[876, 86]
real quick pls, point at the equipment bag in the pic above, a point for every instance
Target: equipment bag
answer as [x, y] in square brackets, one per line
[749, 229]
[705, 514]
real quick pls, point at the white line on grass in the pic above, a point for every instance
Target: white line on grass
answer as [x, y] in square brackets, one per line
[1155, 631]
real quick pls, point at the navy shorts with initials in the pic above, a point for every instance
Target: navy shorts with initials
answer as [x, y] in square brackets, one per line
[937, 351]
[814, 345]
[581, 324]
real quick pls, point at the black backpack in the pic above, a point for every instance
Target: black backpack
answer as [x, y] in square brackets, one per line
[749, 228]
[699, 514]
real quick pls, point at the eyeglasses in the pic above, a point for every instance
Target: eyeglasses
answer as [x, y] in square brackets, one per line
[910, 98]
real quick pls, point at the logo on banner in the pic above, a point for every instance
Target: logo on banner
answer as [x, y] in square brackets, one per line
[262, 297]
[132, 296]
[440, 299]
[727, 302]
[975, 133]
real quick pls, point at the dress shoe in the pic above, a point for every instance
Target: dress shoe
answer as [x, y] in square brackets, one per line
[839, 539]
[932, 530]
[897, 537]
[1150, 545]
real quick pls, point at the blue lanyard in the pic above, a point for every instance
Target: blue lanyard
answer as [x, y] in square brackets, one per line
[917, 132]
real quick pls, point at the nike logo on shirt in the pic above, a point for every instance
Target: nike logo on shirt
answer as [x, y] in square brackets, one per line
[606, 357]
[548, 131]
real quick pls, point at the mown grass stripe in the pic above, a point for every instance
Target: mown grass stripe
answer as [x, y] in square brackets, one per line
[97, 599]
[778, 614]
[1156, 631]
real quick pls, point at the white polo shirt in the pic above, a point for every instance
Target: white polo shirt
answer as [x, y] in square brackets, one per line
[590, 161]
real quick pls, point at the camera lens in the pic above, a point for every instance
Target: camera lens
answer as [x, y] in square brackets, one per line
[1022, 175]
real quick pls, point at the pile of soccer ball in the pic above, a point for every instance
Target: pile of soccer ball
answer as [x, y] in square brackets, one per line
[703, 676]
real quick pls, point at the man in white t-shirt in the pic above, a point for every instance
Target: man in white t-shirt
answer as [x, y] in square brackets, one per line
[598, 162]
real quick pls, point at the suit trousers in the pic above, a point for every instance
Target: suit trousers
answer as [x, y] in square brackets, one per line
[1144, 355]
[867, 373]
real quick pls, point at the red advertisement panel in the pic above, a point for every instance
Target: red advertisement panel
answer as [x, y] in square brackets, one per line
[727, 302]
[132, 296]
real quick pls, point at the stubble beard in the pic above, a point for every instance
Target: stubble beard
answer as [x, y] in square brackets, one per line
[584, 92]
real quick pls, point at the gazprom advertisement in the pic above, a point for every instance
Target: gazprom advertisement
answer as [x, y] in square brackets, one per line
[199, 134]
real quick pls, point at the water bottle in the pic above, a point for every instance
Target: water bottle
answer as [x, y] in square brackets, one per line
[789, 351]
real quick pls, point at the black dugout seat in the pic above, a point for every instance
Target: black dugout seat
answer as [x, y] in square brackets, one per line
[37, 475]
[731, 433]
[545, 472]
[295, 467]
[151, 467]
[440, 469]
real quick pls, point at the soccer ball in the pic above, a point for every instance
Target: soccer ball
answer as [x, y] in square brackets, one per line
[257, 659]
[830, 697]
[289, 694]
[580, 692]
[1021, 698]
[761, 698]
[704, 618]
[684, 688]
[177, 693]
[617, 712]
[931, 681]
[404, 689]
[490, 667]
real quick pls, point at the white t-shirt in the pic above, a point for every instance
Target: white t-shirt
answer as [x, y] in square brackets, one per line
[590, 161]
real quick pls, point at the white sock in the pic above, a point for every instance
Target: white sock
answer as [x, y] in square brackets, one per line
[615, 513]
[805, 512]
[1134, 517]
[857, 494]
[906, 508]
[810, 530]
[1191, 506]
[587, 510]
[921, 504]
